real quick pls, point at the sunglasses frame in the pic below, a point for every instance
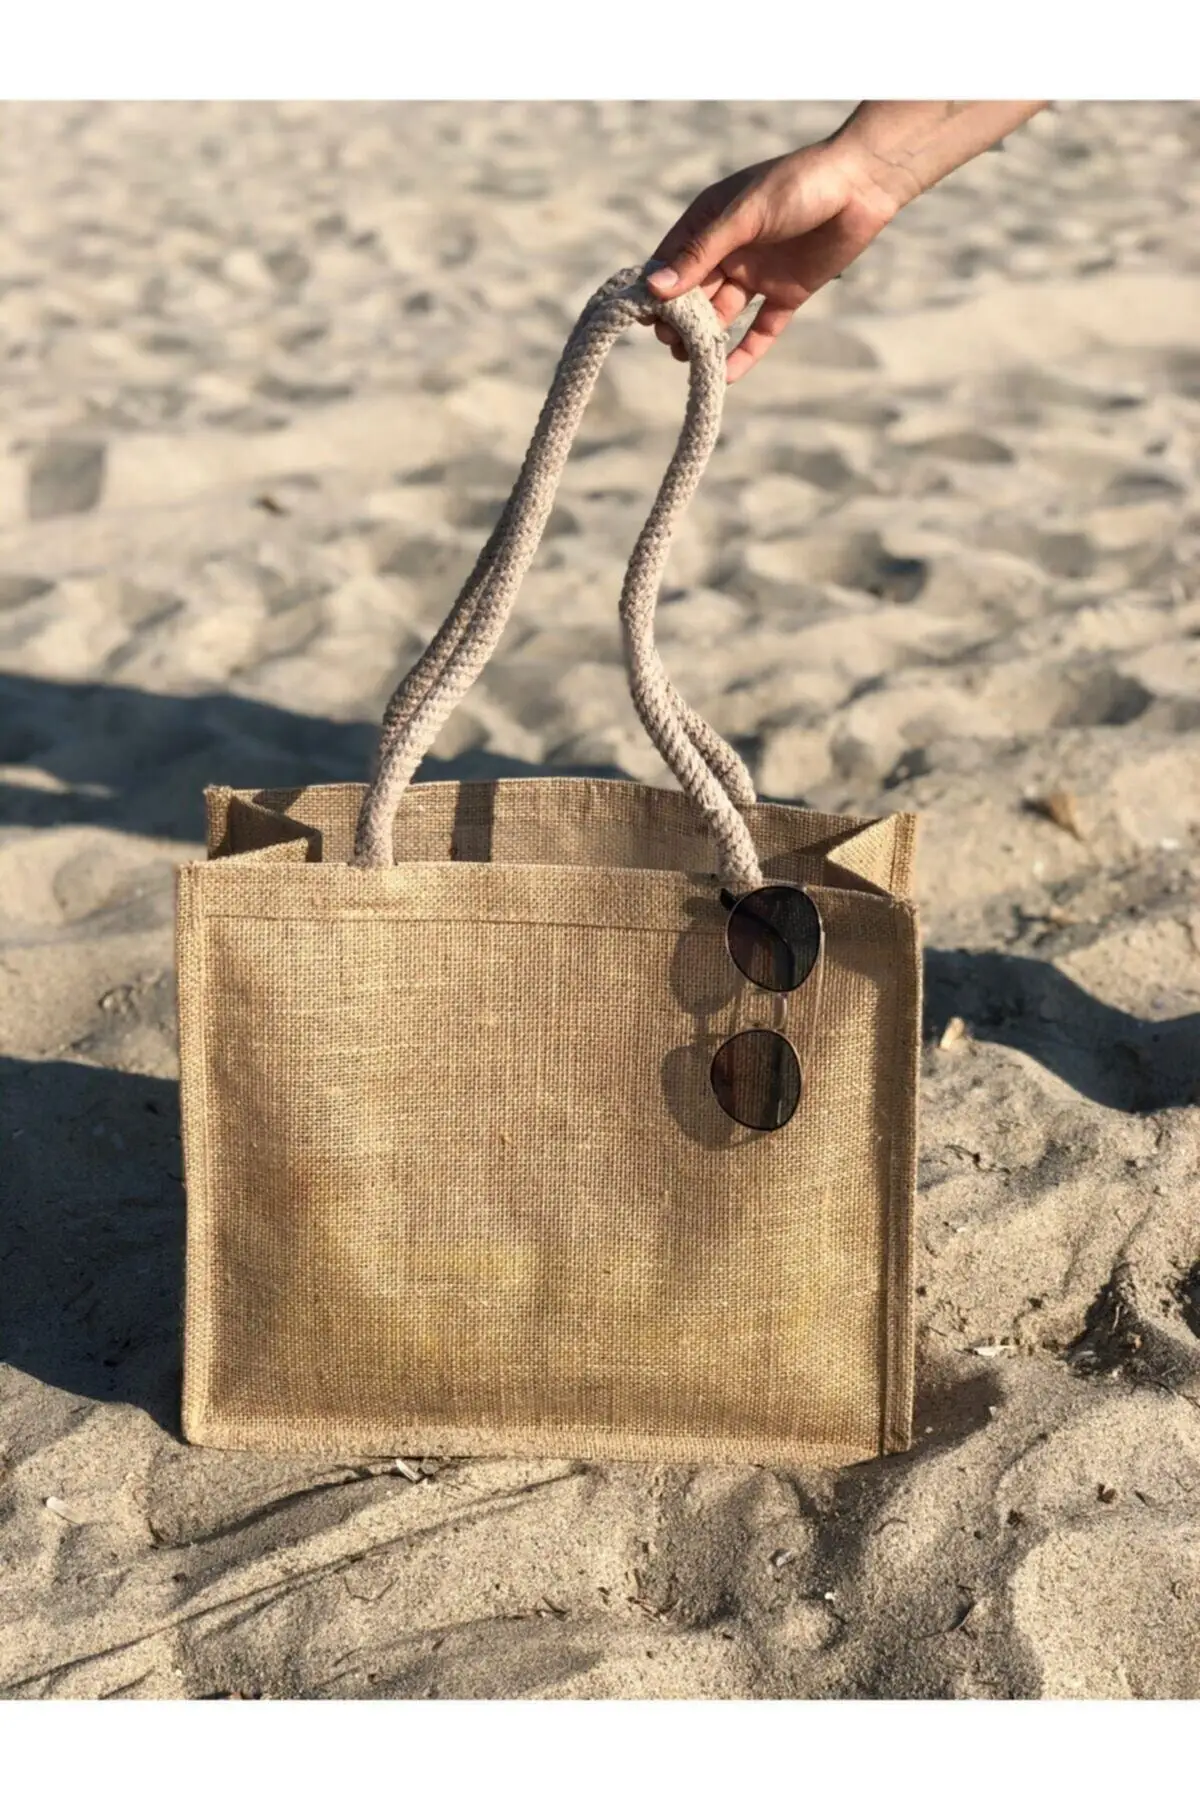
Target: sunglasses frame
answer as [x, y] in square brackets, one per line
[781, 996]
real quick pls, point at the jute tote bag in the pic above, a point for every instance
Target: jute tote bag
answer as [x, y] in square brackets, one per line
[459, 1176]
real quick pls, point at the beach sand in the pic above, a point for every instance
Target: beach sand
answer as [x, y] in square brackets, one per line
[269, 370]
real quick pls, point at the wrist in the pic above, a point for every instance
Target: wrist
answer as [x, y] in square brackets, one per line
[879, 185]
[905, 147]
[881, 156]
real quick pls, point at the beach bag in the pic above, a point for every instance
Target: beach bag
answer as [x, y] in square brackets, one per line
[458, 1063]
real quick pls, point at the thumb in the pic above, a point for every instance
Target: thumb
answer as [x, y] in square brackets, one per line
[693, 254]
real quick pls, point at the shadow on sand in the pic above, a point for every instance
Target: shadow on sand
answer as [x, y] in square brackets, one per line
[140, 762]
[1114, 1058]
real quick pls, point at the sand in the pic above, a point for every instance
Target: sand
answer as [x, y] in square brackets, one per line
[268, 371]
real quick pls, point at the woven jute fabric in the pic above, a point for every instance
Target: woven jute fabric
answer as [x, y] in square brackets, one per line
[456, 1178]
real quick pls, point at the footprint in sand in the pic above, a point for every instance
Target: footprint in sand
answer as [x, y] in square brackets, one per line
[65, 475]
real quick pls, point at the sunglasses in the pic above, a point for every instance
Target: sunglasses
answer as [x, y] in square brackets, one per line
[774, 936]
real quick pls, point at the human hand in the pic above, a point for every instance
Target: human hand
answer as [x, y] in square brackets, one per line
[785, 227]
[781, 229]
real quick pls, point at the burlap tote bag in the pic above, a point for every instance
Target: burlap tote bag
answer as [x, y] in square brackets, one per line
[458, 1181]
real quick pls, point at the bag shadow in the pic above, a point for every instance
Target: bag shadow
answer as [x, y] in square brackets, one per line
[91, 1232]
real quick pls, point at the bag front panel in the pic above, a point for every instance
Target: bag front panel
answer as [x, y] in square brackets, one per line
[456, 1175]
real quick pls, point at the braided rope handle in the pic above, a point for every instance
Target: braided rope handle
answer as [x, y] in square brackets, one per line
[724, 761]
[705, 766]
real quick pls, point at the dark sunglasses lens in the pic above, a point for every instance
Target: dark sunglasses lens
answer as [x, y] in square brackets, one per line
[774, 937]
[756, 1078]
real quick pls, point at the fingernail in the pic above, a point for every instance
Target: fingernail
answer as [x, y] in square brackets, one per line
[663, 280]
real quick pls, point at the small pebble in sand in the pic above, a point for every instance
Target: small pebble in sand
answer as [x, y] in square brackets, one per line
[1061, 808]
[61, 1510]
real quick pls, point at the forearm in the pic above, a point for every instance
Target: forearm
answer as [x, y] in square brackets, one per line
[908, 145]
